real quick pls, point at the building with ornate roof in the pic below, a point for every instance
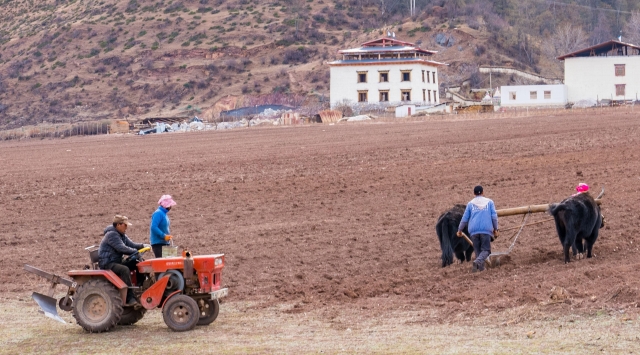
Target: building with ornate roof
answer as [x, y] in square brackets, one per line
[385, 71]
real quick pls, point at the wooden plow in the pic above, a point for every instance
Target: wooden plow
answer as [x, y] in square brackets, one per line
[495, 258]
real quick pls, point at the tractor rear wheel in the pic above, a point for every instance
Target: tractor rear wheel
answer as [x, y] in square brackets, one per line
[181, 313]
[209, 310]
[131, 316]
[97, 306]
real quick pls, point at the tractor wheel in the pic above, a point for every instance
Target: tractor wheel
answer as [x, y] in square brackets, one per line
[97, 306]
[209, 310]
[131, 316]
[181, 313]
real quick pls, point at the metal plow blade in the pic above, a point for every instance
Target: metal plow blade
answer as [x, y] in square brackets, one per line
[48, 306]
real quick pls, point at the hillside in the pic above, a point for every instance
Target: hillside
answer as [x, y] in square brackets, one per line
[68, 61]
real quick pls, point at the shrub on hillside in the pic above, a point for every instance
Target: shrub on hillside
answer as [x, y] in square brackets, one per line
[168, 92]
[177, 6]
[211, 68]
[233, 65]
[298, 55]
[17, 67]
[132, 6]
[202, 84]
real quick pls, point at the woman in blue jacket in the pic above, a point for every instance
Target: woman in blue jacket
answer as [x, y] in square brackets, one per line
[160, 234]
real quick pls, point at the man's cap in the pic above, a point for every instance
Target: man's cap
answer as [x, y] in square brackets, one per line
[118, 219]
[477, 190]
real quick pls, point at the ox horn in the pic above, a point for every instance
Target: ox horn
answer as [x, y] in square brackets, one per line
[601, 194]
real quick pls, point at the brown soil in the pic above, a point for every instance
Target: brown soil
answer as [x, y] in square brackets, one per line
[345, 214]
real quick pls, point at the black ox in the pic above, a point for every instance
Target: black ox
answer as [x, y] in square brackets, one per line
[446, 228]
[577, 218]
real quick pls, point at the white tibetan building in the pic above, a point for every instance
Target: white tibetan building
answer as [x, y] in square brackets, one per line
[385, 71]
[606, 71]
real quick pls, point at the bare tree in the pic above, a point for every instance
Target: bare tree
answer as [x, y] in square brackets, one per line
[602, 31]
[567, 39]
[632, 29]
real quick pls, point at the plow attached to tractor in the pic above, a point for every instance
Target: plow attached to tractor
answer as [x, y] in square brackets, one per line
[187, 288]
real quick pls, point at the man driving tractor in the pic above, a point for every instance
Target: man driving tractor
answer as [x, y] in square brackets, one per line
[114, 245]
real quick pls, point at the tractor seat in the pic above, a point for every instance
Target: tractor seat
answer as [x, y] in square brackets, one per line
[93, 256]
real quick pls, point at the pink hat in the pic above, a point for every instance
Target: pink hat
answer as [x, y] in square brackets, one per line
[582, 187]
[166, 201]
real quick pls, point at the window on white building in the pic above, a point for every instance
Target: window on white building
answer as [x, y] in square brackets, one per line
[423, 75]
[362, 77]
[384, 96]
[405, 95]
[547, 95]
[429, 94]
[362, 96]
[533, 95]
[619, 69]
[384, 76]
[434, 76]
[406, 75]
[620, 89]
[512, 95]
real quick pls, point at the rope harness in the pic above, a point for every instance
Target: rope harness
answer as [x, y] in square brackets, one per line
[516, 235]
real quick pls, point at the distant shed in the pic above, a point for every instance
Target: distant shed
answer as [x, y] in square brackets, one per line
[119, 127]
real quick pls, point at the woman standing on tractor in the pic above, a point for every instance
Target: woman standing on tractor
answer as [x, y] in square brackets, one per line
[159, 228]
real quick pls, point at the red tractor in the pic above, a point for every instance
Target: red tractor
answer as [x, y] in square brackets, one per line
[186, 288]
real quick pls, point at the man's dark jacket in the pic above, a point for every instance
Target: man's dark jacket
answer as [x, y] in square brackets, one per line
[114, 245]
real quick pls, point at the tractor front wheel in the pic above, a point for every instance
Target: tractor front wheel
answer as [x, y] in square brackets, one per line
[181, 313]
[209, 310]
[131, 316]
[97, 306]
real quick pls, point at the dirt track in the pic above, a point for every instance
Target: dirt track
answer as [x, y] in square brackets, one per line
[340, 214]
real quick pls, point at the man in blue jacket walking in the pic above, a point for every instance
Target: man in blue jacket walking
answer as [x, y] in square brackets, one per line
[482, 219]
[159, 228]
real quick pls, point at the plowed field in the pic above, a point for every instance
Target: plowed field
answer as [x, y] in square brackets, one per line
[342, 215]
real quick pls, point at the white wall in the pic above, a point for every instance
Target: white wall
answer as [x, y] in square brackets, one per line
[593, 78]
[405, 110]
[344, 83]
[523, 95]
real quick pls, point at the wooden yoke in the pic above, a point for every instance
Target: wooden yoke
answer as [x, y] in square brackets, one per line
[526, 209]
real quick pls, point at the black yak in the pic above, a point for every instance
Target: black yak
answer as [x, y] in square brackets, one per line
[577, 218]
[446, 228]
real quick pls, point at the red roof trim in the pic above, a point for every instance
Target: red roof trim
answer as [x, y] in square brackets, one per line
[386, 42]
[415, 49]
[427, 62]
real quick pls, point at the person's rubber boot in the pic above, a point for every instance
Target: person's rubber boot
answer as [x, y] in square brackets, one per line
[474, 267]
[131, 300]
[481, 267]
